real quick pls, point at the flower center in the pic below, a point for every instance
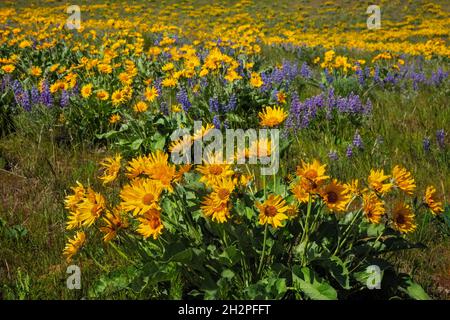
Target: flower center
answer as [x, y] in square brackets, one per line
[216, 170]
[332, 197]
[223, 194]
[148, 199]
[154, 222]
[400, 219]
[270, 211]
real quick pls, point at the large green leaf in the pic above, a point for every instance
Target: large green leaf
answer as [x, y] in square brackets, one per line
[307, 281]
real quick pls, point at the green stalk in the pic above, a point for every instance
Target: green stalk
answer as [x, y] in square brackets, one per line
[263, 250]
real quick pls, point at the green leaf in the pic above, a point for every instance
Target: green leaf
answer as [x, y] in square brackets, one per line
[305, 280]
[413, 289]
[136, 144]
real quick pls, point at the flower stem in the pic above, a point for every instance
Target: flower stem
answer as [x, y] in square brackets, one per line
[263, 250]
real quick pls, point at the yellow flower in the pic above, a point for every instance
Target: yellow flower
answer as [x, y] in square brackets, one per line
[167, 67]
[176, 108]
[403, 218]
[151, 94]
[213, 207]
[141, 106]
[403, 180]
[159, 169]
[150, 224]
[73, 200]
[113, 223]
[271, 117]
[86, 91]
[169, 82]
[91, 207]
[300, 193]
[214, 169]
[272, 211]
[281, 97]
[335, 196]
[312, 175]
[431, 201]
[9, 68]
[117, 97]
[255, 80]
[376, 181]
[352, 188]
[203, 132]
[141, 195]
[136, 167]
[102, 95]
[111, 167]
[35, 71]
[373, 207]
[114, 118]
[74, 245]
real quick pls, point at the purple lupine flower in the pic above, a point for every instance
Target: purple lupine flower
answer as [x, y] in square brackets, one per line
[183, 99]
[438, 77]
[214, 105]
[417, 78]
[6, 80]
[64, 99]
[21, 95]
[216, 122]
[35, 96]
[357, 140]
[333, 155]
[328, 76]
[305, 71]
[349, 151]
[376, 75]
[360, 74]
[426, 144]
[294, 114]
[226, 124]
[46, 96]
[158, 86]
[440, 137]
[231, 106]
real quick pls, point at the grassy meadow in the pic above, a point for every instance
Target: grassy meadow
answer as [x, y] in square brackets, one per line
[355, 99]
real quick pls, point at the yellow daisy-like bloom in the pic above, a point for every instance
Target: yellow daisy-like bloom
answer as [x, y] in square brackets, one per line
[86, 91]
[150, 224]
[136, 167]
[117, 97]
[431, 201]
[335, 196]
[376, 181]
[141, 106]
[403, 218]
[271, 117]
[151, 94]
[115, 118]
[260, 148]
[352, 188]
[102, 95]
[182, 144]
[201, 133]
[403, 180]
[299, 192]
[213, 169]
[91, 207]
[72, 201]
[36, 71]
[272, 211]
[223, 187]
[9, 68]
[312, 175]
[169, 82]
[73, 220]
[167, 67]
[111, 167]
[141, 195]
[113, 223]
[373, 207]
[281, 97]
[256, 80]
[74, 245]
[159, 169]
[213, 207]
